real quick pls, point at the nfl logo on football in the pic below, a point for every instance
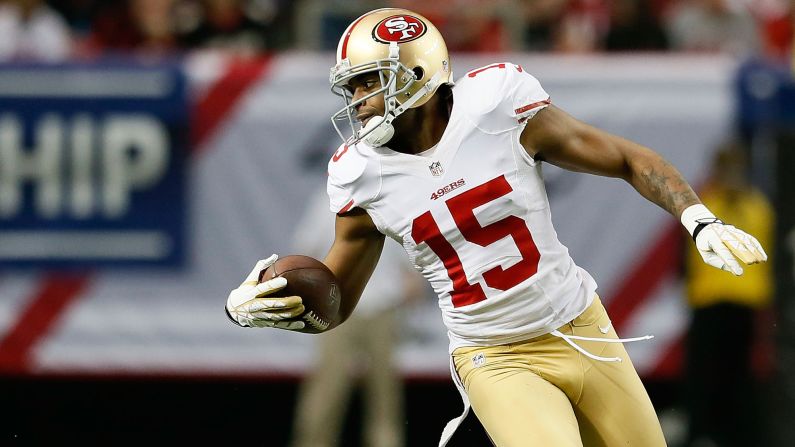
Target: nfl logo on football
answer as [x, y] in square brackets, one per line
[436, 169]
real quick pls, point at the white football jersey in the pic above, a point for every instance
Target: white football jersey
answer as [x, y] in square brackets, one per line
[473, 214]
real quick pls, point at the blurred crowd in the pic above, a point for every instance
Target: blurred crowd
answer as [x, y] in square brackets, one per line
[57, 29]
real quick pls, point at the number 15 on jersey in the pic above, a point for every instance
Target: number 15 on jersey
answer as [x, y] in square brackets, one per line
[425, 229]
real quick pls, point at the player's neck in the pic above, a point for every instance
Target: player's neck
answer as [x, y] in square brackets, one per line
[420, 129]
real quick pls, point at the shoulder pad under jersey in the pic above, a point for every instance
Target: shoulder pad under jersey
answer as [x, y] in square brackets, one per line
[499, 97]
[353, 179]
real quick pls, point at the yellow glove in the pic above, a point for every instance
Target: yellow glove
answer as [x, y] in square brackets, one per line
[719, 243]
[250, 306]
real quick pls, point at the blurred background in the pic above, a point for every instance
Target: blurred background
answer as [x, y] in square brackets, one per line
[152, 150]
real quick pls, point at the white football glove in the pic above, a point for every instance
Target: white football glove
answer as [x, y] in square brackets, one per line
[719, 243]
[249, 304]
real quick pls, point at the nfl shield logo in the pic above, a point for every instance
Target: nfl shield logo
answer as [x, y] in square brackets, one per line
[436, 169]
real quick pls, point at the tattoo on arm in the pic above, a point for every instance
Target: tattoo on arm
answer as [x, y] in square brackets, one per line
[661, 183]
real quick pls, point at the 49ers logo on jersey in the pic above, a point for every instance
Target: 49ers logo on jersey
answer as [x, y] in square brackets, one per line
[447, 188]
[400, 29]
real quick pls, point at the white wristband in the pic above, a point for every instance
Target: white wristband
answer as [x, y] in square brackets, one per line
[692, 214]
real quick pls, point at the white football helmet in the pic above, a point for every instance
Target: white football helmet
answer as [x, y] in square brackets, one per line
[407, 52]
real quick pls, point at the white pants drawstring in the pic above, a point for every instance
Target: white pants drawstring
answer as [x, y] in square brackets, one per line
[568, 339]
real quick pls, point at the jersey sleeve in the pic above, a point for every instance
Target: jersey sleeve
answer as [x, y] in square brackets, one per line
[502, 96]
[352, 182]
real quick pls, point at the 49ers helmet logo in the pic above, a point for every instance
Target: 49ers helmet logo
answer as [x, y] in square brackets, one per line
[400, 29]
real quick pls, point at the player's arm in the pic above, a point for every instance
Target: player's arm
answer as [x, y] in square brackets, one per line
[554, 136]
[353, 256]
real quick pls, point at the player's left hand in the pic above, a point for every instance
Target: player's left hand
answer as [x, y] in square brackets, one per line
[250, 306]
[719, 244]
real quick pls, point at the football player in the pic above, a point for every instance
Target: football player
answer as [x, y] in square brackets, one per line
[453, 173]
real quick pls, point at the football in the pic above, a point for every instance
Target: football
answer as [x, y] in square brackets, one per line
[314, 283]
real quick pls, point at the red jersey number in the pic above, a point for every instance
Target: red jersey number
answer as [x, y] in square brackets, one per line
[425, 229]
[340, 152]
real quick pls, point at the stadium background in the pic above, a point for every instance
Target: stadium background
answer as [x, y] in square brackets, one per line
[138, 184]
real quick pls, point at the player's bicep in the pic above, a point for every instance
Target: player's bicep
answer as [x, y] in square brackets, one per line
[353, 255]
[556, 137]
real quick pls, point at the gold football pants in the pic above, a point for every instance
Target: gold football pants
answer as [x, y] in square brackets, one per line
[542, 392]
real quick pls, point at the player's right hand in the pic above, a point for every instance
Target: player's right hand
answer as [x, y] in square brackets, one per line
[249, 305]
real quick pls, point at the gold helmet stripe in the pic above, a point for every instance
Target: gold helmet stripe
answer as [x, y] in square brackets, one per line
[344, 47]
[344, 51]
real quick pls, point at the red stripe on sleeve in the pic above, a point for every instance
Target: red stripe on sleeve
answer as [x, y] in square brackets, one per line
[345, 208]
[532, 106]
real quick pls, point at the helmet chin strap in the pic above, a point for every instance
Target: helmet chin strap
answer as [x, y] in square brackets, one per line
[379, 130]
